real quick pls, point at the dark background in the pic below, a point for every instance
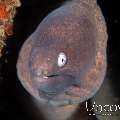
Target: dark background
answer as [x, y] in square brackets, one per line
[12, 94]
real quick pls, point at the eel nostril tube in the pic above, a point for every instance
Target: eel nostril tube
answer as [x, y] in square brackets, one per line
[40, 72]
[73, 37]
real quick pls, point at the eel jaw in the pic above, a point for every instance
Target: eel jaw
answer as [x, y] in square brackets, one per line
[50, 100]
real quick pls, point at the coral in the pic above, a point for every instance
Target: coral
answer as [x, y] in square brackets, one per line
[7, 14]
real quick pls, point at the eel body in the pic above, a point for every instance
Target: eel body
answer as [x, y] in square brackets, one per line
[63, 62]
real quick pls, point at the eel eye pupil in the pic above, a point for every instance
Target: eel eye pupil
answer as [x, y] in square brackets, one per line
[62, 59]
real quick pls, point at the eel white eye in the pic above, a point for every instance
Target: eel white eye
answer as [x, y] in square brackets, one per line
[62, 59]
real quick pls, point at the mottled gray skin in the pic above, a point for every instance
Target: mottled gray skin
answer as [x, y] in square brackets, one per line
[78, 29]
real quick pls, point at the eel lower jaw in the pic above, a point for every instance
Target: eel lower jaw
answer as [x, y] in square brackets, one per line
[59, 103]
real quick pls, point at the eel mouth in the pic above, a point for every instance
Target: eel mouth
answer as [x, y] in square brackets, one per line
[56, 85]
[47, 96]
[53, 75]
[48, 93]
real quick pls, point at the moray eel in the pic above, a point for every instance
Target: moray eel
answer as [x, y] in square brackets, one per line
[64, 60]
